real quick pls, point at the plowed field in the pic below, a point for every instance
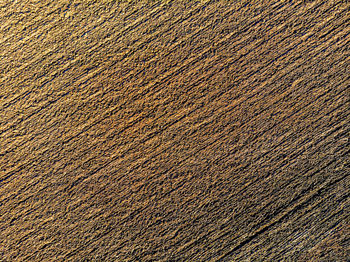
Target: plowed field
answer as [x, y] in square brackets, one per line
[174, 130]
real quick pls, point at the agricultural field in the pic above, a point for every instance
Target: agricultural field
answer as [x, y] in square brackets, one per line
[174, 130]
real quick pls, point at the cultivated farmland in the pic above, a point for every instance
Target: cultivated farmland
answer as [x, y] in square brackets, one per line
[174, 130]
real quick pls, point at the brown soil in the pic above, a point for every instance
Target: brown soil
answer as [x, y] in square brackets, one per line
[174, 130]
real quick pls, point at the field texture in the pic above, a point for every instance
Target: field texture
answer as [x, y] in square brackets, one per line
[174, 130]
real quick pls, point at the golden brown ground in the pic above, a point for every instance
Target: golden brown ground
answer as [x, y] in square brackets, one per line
[174, 130]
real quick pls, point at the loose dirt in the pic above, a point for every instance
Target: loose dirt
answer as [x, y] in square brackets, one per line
[174, 130]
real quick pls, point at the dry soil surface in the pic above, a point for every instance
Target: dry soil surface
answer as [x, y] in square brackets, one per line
[174, 130]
